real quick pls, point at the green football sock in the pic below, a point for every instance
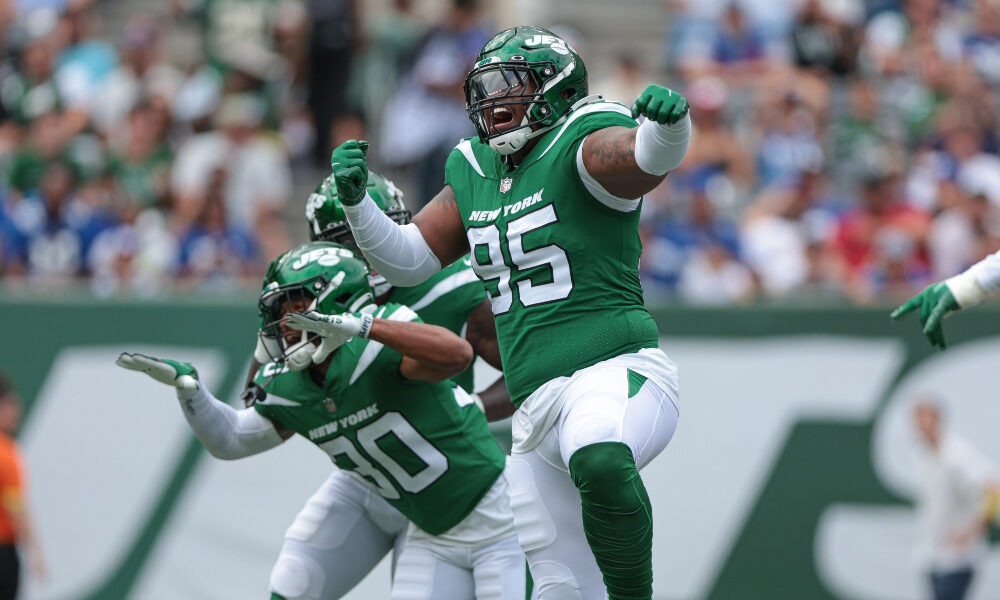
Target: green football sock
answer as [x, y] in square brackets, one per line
[617, 518]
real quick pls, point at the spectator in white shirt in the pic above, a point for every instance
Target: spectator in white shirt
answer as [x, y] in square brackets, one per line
[957, 502]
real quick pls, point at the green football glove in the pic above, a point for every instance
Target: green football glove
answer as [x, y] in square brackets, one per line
[660, 104]
[350, 171]
[182, 376]
[334, 330]
[934, 302]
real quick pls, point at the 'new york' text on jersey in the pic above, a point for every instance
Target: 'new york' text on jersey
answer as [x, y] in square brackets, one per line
[561, 268]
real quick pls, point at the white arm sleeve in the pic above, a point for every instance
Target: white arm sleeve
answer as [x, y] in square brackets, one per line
[225, 432]
[398, 252]
[979, 280]
[661, 148]
[987, 272]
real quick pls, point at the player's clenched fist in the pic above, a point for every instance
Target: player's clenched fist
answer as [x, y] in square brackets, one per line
[350, 171]
[660, 104]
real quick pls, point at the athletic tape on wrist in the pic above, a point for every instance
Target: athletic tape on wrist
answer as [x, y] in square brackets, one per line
[661, 148]
[366, 325]
[966, 289]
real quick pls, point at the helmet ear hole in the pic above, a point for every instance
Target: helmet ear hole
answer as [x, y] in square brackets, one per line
[343, 299]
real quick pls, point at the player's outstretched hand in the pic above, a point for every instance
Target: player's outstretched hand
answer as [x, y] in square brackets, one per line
[660, 104]
[934, 303]
[182, 376]
[334, 330]
[350, 170]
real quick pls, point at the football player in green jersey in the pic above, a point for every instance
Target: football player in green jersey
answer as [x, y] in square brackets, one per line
[547, 200]
[452, 297]
[363, 524]
[368, 385]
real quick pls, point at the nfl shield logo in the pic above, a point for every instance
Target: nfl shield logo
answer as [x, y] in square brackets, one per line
[505, 184]
[329, 404]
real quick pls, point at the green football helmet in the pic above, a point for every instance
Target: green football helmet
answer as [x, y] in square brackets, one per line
[325, 213]
[319, 276]
[527, 66]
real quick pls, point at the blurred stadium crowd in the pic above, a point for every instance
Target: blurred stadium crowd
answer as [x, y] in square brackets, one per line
[843, 150]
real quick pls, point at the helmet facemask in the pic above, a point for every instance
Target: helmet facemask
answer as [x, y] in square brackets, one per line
[496, 87]
[272, 343]
[295, 349]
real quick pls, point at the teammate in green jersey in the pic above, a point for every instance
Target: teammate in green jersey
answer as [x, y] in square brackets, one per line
[547, 200]
[350, 526]
[369, 386]
[452, 297]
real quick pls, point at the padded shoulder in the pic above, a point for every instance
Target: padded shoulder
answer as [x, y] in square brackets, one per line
[589, 118]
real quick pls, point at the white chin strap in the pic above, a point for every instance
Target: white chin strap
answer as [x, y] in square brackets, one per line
[512, 141]
[300, 357]
[297, 358]
[266, 349]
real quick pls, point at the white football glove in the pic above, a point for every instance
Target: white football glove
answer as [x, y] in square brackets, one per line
[334, 330]
[182, 376]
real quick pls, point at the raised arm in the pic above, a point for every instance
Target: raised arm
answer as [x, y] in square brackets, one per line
[628, 162]
[405, 255]
[225, 432]
[440, 224]
[430, 352]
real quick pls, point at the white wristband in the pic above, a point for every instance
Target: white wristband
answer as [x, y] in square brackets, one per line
[366, 325]
[966, 289]
[987, 272]
[661, 148]
[397, 252]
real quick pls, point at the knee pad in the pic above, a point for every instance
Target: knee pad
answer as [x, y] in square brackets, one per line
[555, 581]
[535, 527]
[605, 473]
[290, 577]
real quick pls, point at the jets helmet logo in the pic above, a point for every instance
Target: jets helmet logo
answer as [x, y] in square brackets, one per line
[556, 44]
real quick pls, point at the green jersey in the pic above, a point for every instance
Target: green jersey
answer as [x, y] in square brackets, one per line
[425, 447]
[561, 268]
[446, 299]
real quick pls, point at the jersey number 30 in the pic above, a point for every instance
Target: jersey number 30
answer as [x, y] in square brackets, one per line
[368, 437]
[491, 265]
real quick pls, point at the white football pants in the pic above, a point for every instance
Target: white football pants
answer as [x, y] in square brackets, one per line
[593, 405]
[342, 532]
